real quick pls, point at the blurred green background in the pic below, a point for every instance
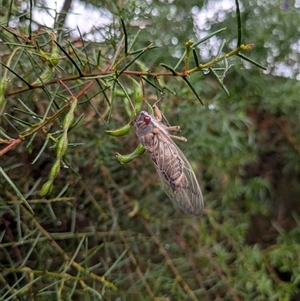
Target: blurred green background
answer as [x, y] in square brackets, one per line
[106, 230]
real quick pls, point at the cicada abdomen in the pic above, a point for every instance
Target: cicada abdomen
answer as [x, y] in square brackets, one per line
[175, 172]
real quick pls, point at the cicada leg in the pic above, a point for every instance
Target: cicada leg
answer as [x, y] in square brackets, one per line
[181, 138]
[174, 128]
[157, 112]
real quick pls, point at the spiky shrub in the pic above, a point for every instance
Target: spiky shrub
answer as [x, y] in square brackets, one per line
[78, 225]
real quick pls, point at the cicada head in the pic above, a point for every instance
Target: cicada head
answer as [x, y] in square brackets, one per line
[143, 123]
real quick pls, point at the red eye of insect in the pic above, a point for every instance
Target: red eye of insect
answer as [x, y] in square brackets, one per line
[147, 119]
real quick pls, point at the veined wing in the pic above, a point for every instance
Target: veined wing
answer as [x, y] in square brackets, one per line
[176, 174]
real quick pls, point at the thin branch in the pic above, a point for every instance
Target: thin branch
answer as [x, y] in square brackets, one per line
[239, 23]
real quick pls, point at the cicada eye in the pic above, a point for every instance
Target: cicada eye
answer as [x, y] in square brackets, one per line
[147, 119]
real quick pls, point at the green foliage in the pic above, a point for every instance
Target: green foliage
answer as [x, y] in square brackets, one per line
[78, 225]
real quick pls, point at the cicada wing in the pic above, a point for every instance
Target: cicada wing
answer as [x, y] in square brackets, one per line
[187, 195]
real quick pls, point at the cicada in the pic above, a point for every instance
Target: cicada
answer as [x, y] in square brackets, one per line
[175, 172]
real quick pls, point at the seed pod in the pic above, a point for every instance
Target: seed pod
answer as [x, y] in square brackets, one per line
[3, 100]
[120, 131]
[121, 93]
[61, 146]
[55, 169]
[54, 58]
[46, 188]
[127, 158]
[44, 77]
[138, 95]
[69, 118]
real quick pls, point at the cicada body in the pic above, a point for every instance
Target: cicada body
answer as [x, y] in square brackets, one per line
[175, 172]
